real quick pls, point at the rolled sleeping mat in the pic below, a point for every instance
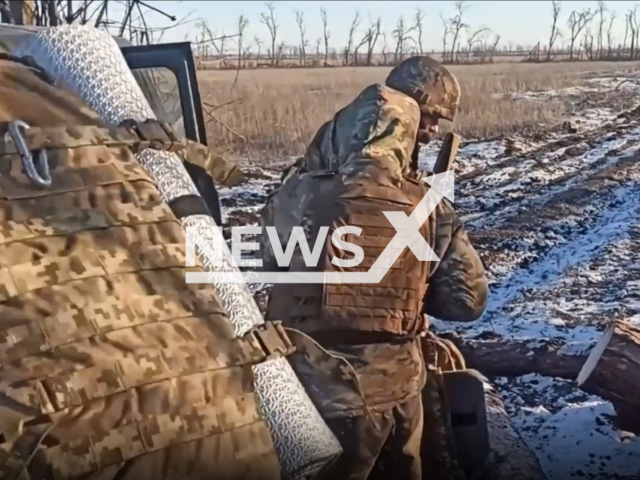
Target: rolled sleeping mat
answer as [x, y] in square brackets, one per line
[89, 62]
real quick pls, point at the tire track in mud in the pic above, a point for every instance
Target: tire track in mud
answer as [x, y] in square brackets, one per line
[560, 294]
[559, 237]
[509, 185]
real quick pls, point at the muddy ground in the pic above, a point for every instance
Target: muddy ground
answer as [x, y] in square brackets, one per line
[555, 215]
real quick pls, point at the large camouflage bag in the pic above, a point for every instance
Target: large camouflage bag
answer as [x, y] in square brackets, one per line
[109, 360]
[89, 62]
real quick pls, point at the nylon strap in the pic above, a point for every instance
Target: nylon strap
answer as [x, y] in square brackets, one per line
[188, 205]
[136, 136]
[74, 388]
[60, 138]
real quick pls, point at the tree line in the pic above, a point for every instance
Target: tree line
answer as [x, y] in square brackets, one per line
[587, 35]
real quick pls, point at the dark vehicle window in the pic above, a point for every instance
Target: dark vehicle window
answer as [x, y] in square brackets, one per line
[160, 87]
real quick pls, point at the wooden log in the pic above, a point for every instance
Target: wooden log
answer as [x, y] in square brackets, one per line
[612, 371]
[500, 357]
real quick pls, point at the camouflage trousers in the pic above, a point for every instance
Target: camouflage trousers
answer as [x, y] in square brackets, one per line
[389, 450]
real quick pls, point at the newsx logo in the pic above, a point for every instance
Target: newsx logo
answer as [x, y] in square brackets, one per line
[408, 235]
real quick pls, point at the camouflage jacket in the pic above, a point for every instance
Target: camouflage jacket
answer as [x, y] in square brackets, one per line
[371, 140]
[330, 146]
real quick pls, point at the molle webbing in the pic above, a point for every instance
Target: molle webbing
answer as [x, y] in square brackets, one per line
[58, 390]
[95, 315]
[392, 306]
[104, 172]
[135, 136]
[60, 138]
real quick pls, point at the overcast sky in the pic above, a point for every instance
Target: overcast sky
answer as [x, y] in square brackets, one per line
[520, 22]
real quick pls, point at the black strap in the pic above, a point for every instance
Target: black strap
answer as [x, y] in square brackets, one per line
[464, 419]
[189, 205]
[207, 188]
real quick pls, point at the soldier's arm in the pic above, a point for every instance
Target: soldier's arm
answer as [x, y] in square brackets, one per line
[312, 159]
[283, 210]
[217, 167]
[267, 219]
[458, 287]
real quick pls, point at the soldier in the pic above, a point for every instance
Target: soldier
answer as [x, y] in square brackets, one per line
[360, 356]
[112, 367]
[425, 80]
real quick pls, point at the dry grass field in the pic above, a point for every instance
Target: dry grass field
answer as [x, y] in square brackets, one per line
[278, 111]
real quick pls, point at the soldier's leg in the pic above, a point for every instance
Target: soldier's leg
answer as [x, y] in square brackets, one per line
[362, 442]
[400, 457]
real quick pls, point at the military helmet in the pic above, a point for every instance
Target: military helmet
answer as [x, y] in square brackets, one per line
[430, 84]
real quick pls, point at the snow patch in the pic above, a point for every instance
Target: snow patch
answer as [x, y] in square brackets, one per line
[570, 431]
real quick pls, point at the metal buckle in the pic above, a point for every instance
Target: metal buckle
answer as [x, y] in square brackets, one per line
[41, 179]
[273, 339]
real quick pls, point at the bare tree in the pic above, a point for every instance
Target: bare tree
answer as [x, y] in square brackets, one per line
[383, 52]
[631, 22]
[612, 18]
[318, 43]
[419, 18]
[601, 9]
[279, 52]
[222, 50]
[447, 30]
[258, 43]
[401, 34]
[374, 30]
[326, 34]
[363, 41]
[303, 40]
[246, 54]
[626, 30]
[269, 19]
[243, 22]
[493, 48]
[555, 32]
[588, 40]
[456, 26]
[576, 23]
[212, 39]
[354, 25]
[474, 38]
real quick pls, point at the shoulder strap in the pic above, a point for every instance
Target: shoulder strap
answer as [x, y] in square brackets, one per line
[135, 135]
[77, 136]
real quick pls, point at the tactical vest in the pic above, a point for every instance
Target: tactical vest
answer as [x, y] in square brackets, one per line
[392, 307]
[107, 355]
